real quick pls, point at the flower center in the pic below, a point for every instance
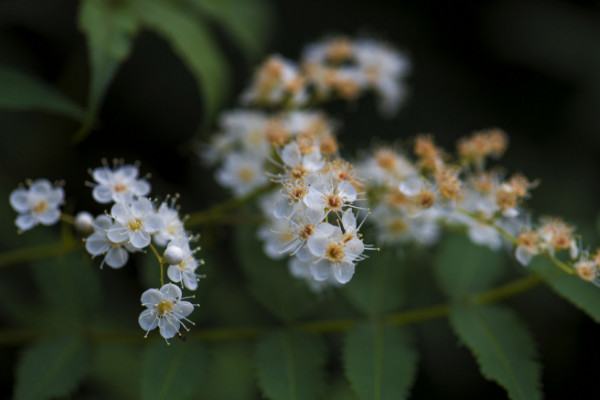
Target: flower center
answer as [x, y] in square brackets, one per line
[298, 172]
[119, 188]
[165, 307]
[398, 226]
[306, 231]
[245, 175]
[335, 252]
[134, 224]
[40, 207]
[334, 202]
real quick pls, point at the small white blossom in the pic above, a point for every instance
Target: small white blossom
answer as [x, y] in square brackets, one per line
[37, 204]
[171, 226]
[165, 310]
[118, 185]
[98, 243]
[135, 222]
[184, 272]
[241, 172]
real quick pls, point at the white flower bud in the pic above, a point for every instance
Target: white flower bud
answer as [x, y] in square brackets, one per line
[173, 255]
[84, 223]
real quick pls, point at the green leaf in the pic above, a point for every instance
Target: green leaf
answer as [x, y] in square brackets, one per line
[23, 92]
[290, 365]
[193, 42]
[379, 284]
[172, 372]
[116, 369]
[70, 285]
[110, 27]
[462, 267]
[270, 281]
[580, 293]
[380, 361]
[502, 346]
[52, 368]
[247, 22]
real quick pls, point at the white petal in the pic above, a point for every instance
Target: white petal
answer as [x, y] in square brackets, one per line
[102, 175]
[102, 194]
[148, 320]
[314, 199]
[120, 212]
[171, 292]
[290, 154]
[140, 188]
[353, 249]
[190, 280]
[174, 273]
[304, 254]
[25, 222]
[317, 244]
[139, 239]
[312, 161]
[153, 224]
[151, 297]
[321, 270]
[97, 244]
[142, 206]
[118, 233]
[41, 187]
[284, 208]
[169, 326]
[55, 197]
[523, 255]
[116, 257]
[102, 223]
[49, 217]
[298, 268]
[346, 191]
[18, 200]
[183, 309]
[343, 272]
[349, 221]
[128, 172]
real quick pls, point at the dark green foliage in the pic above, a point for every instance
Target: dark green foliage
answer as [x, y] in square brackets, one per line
[23, 92]
[379, 284]
[580, 293]
[380, 361]
[463, 267]
[172, 372]
[51, 368]
[270, 281]
[290, 365]
[502, 346]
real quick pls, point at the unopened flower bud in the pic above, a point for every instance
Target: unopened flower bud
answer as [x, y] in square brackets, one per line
[173, 255]
[84, 223]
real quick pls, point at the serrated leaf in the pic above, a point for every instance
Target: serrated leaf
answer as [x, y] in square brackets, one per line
[502, 346]
[290, 365]
[70, 285]
[172, 372]
[109, 27]
[380, 361]
[51, 368]
[379, 284]
[194, 44]
[580, 293]
[247, 22]
[23, 92]
[270, 282]
[462, 267]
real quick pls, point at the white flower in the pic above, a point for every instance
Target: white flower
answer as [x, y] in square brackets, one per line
[119, 185]
[301, 270]
[171, 225]
[334, 256]
[135, 222]
[165, 310]
[241, 172]
[38, 204]
[299, 165]
[98, 243]
[330, 196]
[183, 271]
[277, 236]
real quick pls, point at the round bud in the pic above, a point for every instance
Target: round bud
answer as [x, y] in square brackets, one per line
[173, 255]
[84, 223]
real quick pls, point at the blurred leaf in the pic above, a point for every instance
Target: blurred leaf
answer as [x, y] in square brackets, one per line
[23, 92]
[193, 42]
[116, 368]
[246, 21]
[502, 346]
[270, 281]
[52, 368]
[230, 362]
[290, 365]
[172, 372]
[380, 361]
[109, 27]
[70, 285]
[462, 267]
[580, 293]
[149, 270]
[378, 285]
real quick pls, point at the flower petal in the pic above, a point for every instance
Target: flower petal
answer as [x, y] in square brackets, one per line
[102, 194]
[321, 270]
[343, 272]
[25, 222]
[97, 244]
[169, 326]
[148, 319]
[139, 239]
[151, 297]
[171, 292]
[116, 257]
[18, 200]
[49, 217]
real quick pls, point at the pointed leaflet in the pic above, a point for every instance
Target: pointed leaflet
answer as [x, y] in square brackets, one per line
[379, 285]
[380, 361]
[462, 267]
[109, 27]
[51, 368]
[270, 281]
[193, 42]
[246, 21]
[172, 372]
[290, 365]
[582, 294]
[502, 346]
[23, 92]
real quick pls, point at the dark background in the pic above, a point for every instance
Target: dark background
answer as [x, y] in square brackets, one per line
[531, 68]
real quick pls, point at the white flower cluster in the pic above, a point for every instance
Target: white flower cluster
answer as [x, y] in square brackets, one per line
[38, 204]
[336, 67]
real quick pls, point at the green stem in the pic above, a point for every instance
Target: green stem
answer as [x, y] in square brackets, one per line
[161, 263]
[216, 212]
[68, 219]
[316, 327]
[37, 252]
